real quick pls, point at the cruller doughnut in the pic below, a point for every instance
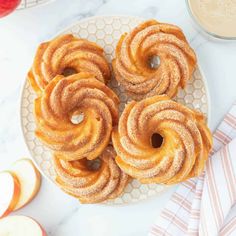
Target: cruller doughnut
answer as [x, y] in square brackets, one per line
[67, 54]
[78, 179]
[150, 40]
[183, 147]
[78, 96]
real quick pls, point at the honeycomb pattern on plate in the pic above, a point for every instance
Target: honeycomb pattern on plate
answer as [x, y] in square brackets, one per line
[106, 31]
[30, 3]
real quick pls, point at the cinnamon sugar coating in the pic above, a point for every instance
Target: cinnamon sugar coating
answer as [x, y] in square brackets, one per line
[186, 143]
[134, 51]
[73, 95]
[67, 52]
[91, 186]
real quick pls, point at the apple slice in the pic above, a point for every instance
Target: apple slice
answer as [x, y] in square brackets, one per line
[9, 192]
[20, 226]
[7, 6]
[29, 179]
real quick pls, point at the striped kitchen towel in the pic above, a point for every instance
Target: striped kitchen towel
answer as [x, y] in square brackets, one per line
[204, 206]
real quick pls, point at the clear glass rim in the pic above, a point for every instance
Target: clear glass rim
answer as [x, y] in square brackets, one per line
[45, 2]
[203, 29]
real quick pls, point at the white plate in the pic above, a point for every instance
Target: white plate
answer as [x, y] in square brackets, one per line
[105, 31]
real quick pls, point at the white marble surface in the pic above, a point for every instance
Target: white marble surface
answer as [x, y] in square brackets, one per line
[22, 31]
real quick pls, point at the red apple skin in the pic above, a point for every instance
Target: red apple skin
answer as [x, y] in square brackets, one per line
[8, 6]
[43, 230]
[44, 233]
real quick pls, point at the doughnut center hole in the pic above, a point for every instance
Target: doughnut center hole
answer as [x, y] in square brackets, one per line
[68, 71]
[154, 62]
[156, 140]
[77, 118]
[94, 164]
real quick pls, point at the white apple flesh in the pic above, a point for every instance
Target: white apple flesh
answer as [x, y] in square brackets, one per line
[29, 179]
[20, 226]
[9, 192]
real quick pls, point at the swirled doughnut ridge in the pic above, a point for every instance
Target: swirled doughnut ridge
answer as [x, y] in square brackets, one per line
[67, 52]
[91, 186]
[185, 146]
[65, 97]
[135, 50]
